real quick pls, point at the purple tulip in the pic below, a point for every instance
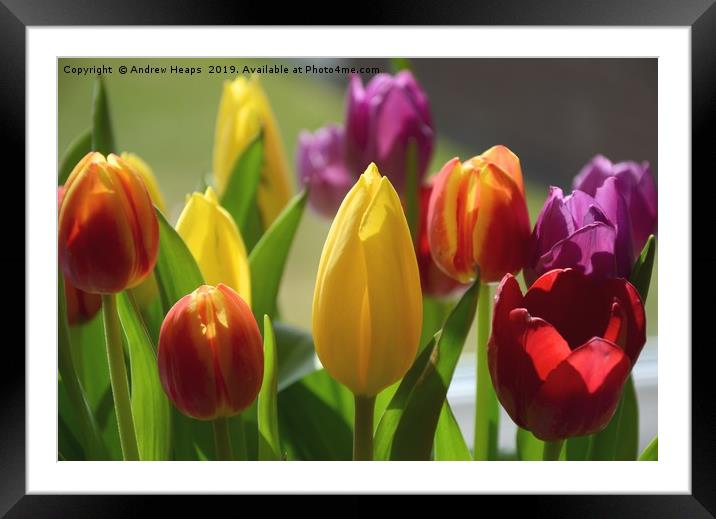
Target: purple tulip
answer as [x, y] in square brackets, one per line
[381, 121]
[321, 166]
[636, 185]
[588, 233]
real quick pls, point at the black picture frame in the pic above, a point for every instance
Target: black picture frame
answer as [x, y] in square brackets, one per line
[700, 15]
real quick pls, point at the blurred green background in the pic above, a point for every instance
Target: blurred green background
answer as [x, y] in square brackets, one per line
[168, 120]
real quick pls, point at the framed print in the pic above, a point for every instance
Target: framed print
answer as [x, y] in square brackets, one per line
[416, 260]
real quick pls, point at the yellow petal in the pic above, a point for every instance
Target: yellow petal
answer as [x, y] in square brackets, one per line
[244, 108]
[214, 240]
[393, 289]
[367, 306]
[144, 171]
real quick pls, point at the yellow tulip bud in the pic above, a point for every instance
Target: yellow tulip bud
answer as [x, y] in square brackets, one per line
[244, 110]
[367, 305]
[141, 167]
[214, 240]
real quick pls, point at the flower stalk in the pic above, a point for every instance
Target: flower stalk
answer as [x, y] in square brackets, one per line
[363, 428]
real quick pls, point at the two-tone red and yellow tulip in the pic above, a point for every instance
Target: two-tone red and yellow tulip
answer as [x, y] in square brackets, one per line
[210, 354]
[560, 354]
[477, 218]
[367, 304]
[244, 111]
[108, 237]
[215, 241]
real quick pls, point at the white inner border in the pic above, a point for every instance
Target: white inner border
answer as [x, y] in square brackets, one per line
[672, 473]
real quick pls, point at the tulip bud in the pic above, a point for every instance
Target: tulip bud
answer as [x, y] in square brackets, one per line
[320, 164]
[478, 218]
[244, 110]
[381, 121]
[367, 305]
[635, 184]
[214, 240]
[150, 181]
[559, 355]
[108, 231]
[210, 354]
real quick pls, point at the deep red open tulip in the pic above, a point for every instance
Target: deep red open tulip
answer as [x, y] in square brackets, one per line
[210, 354]
[108, 234]
[560, 354]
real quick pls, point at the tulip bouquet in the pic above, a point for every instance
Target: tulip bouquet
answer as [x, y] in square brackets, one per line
[171, 340]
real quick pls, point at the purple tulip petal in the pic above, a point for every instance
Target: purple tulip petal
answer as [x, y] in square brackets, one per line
[615, 207]
[589, 250]
[593, 174]
[320, 164]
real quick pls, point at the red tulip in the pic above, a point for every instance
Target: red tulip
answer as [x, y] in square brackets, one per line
[210, 354]
[560, 354]
[108, 234]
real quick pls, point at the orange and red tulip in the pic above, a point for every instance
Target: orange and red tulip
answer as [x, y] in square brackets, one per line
[210, 354]
[477, 217]
[108, 231]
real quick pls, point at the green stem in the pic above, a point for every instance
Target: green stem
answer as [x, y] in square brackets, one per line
[486, 410]
[78, 399]
[222, 439]
[552, 450]
[118, 378]
[363, 428]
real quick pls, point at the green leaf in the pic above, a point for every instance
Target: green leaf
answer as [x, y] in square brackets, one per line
[77, 149]
[239, 197]
[435, 311]
[398, 64]
[651, 451]
[296, 355]
[67, 444]
[268, 259]
[267, 407]
[407, 428]
[176, 271]
[150, 406]
[412, 189]
[641, 272]
[76, 398]
[620, 439]
[102, 135]
[316, 419]
[450, 444]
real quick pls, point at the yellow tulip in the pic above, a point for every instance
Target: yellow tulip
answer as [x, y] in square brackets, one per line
[243, 111]
[141, 167]
[367, 305]
[214, 240]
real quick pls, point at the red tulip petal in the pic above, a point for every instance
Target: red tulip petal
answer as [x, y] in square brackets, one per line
[633, 308]
[572, 303]
[544, 345]
[580, 395]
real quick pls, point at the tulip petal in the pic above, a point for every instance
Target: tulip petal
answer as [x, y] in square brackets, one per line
[501, 233]
[507, 161]
[589, 250]
[442, 219]
[632, 308]
[580, 395]
[394, 300]
[572, 303]
[615, 208]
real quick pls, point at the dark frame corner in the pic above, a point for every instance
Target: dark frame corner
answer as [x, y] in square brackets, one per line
[700, 15]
